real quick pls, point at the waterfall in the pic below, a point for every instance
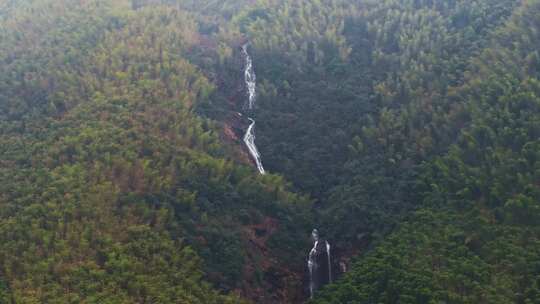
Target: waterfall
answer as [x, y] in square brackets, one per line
[249, 137]
[319, 266]
[312, 261]
[329, 262]
[249, 78]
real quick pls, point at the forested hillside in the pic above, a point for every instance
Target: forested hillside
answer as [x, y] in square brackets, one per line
[112, 189]
[475, 238]
[406, 131]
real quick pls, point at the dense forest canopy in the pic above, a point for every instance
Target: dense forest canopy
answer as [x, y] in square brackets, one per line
[406, 131]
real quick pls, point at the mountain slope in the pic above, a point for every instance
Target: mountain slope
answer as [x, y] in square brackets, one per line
[406, 131]
[113, 189]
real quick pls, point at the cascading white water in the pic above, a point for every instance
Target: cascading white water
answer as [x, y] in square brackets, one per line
[329, 262]
[250, 78]
[249, 137]
[312, 262]
[317, 275]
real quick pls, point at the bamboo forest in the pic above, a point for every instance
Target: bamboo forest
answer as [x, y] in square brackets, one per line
[270, 151]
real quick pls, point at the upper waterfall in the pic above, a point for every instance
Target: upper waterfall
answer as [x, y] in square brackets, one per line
[250, 80]
[249, 139]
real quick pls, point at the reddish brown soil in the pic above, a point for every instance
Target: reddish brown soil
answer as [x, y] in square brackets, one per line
[266, 279]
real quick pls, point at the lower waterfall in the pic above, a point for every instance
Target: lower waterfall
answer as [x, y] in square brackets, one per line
[319, 264]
